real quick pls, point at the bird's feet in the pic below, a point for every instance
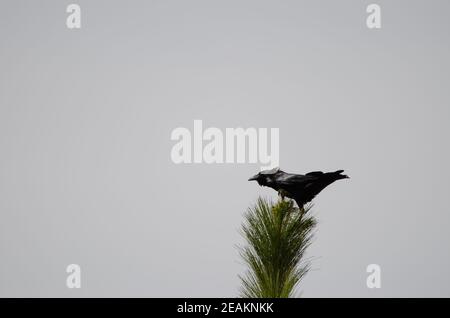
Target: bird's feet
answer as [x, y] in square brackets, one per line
[282, 194]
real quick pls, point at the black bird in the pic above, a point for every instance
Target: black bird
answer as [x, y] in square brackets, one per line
[301, 188]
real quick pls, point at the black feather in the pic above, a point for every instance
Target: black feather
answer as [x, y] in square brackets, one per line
[301, 188]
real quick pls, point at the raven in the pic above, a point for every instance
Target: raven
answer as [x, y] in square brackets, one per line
[301, 188]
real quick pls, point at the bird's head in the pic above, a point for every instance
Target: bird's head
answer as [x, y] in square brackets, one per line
[264, 177]
[258, 178]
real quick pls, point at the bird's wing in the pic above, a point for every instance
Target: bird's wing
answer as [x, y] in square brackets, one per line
[315, 173]
[288, 179]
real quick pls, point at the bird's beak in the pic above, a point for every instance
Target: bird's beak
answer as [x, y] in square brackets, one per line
[255, 177]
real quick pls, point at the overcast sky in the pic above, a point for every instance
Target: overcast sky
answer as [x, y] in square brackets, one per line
[86, 117]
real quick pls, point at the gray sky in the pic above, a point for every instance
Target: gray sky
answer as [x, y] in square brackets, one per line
[86, 117]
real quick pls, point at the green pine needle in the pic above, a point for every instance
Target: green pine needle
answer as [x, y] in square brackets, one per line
[277, 236]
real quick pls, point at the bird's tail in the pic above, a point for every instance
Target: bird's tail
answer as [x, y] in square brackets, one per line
[338, 175]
